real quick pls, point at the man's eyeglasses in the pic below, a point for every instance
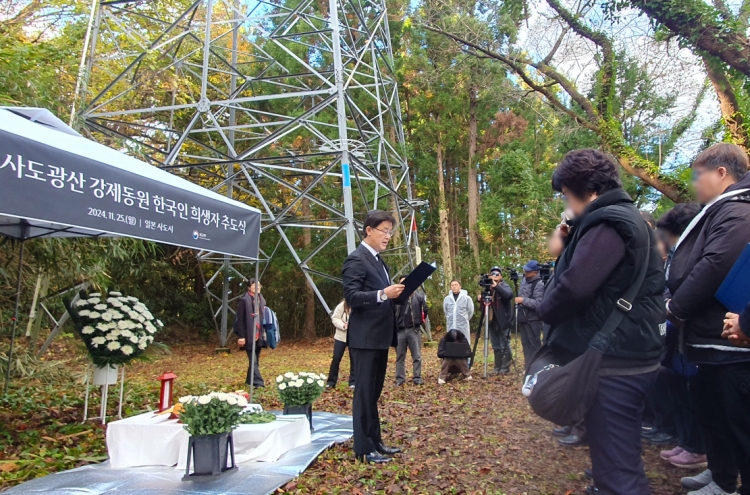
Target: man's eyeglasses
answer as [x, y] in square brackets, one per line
[388, 233]
[495, 274]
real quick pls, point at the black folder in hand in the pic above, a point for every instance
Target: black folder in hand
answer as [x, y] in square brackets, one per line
[416, 278]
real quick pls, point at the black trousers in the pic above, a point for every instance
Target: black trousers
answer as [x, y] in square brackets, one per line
[531, 338]
[369, 375]
[677, 393]
[722, 398]
[339, 348]
[613, 427]
[258, 378]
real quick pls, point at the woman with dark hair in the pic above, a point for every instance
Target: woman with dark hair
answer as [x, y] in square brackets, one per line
[606, 246]
[450, 364]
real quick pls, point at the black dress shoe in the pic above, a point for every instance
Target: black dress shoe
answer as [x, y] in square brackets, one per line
[562, 431]
[375, 458]
[588, 473]
[388, 450]
[661, 438]
[571, 441]
[592, 490]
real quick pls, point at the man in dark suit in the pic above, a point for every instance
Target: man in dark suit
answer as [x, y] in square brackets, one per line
[372, 331]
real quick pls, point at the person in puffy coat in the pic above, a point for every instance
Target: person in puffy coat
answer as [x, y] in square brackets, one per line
[459, 308]
[340, 319]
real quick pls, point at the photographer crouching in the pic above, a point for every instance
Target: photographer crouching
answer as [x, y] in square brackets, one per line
[603, 261]
[500, 319]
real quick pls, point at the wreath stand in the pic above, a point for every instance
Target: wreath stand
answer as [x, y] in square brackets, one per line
[104, 377]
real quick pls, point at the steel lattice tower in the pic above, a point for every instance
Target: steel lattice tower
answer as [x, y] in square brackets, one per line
[290, 106]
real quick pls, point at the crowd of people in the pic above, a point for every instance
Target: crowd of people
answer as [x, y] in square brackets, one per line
[675, 370]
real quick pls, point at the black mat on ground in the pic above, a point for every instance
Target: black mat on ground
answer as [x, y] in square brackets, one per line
[252, 478]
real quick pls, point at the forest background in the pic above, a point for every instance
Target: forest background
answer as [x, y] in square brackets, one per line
[493, 94]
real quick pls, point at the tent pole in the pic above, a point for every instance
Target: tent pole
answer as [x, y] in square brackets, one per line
[15, 320]
[256, 320]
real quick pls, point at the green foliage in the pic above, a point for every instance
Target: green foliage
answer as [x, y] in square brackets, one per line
[211, 414]
[300, 389]
[257, 418]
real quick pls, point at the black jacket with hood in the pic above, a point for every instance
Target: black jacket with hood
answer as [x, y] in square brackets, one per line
[699, 265]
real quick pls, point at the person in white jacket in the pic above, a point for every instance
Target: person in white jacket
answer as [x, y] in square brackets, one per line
[340, 319]
[459, 308]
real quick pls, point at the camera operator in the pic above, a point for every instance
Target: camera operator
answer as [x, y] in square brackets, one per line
[529, 297]
[500, 318]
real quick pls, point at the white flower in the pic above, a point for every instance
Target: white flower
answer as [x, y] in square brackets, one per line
[150, 328]
[185, 399]
[134, 339]
[116, 303]
[87, 330]
[81, 302]
[232, 400]
[133, 315]
[309, 380]
[302, 373]
[140, 308]
[102, 326]
[123, 324]
[126, 333]
[322, 376]
[222, 396]
[288, 374]
[320, 383]
[100, 307]
[132, 299]
[123, 299]
[107, 316]
[142, 346]
[113, 346]
[241, 401]
[282, 386]
[159, 323]
[112, 336]
[95, 294]
[204, 399]
[150, 339]
[279, 378]
[300, 382]
[94, 300]
[125, 308]
[127, 350]
[113, 293]
[148, 315]
[98, 340]
[116, 315]
[94, 315]
[84, 312]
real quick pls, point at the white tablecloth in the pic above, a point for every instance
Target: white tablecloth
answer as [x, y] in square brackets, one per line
[151, 440]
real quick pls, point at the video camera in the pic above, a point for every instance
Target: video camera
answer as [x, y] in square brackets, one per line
[545, 271]
[514, 276]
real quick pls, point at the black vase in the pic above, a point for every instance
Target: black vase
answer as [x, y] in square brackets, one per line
[306, 410]
[210, 455]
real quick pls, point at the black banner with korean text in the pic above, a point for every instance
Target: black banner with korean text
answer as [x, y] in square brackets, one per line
[45, 184]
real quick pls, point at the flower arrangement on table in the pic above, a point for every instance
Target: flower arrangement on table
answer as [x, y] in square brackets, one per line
[300, 389]
[115, 329]
[213, 413]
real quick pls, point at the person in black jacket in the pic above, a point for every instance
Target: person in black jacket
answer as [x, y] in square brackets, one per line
[372, 331]
[702, 258]
[244, 321]
[452, 365]
[410, 315]
[500, 318]
[606, 240]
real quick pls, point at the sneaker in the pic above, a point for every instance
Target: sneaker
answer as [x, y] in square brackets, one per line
[666, 454]
[469, 377]
[351, 387]
[441, 381]
[661, 438]
[688, 460]
[697, 482]
[711, 489]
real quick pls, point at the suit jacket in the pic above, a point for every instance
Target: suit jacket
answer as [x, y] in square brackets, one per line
[372, 324]
[245, 317]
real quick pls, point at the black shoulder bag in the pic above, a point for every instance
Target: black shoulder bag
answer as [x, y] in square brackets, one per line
[564, 394]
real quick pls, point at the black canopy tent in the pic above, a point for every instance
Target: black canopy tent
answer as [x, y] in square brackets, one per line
[56, 183]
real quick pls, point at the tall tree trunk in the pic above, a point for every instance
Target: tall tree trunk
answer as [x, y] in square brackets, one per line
[309, 326]
[445, 240]
[730, 108]
[473, 186]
